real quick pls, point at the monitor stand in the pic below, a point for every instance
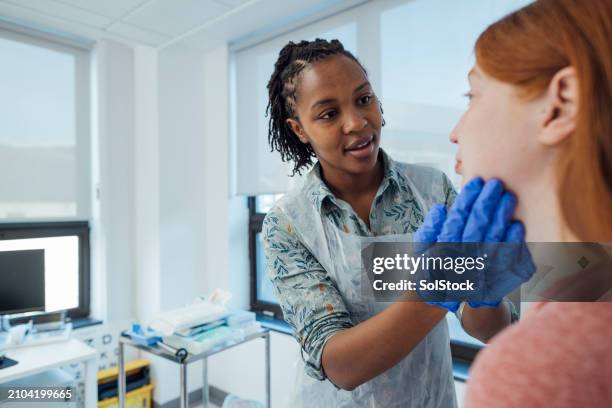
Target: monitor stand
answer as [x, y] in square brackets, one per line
[6, 362]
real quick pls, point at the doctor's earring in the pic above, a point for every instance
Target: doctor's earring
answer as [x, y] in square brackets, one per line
[382, 113]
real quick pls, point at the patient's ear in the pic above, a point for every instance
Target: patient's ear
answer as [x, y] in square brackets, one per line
[296, 127]
[560, 107]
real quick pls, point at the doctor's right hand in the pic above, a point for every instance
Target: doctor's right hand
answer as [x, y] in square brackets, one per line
[481, 213]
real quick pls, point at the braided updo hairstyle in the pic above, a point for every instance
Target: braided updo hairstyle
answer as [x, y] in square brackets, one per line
[292, 60]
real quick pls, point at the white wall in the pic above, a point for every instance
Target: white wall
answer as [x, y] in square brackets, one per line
[112, 228]
[226, 216]
[181, 187]
[146, 175]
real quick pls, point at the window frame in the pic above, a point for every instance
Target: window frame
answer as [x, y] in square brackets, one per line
[255, 226]
[80, 229]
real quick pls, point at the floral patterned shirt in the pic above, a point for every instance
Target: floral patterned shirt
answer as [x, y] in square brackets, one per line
[308, 296]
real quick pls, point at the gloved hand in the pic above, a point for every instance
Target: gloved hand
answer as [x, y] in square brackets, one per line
[511, 265]
[426, 235]
[453, 225]
[487, 222]
[481, 213]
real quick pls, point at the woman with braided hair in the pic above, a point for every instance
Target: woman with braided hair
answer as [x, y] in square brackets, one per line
[355, 352]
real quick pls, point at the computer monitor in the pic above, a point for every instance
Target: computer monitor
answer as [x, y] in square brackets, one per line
[22, 281]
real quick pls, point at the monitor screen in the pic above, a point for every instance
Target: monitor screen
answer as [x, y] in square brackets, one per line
[61, 267]
[22, 281]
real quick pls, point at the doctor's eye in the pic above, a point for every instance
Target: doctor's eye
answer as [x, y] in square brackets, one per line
[327, 115]
[469, 95]
[365, 99]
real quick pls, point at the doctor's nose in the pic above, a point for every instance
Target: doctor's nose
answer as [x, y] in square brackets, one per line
[353, 122]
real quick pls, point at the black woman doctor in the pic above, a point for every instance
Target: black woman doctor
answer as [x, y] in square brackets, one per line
[357, 353]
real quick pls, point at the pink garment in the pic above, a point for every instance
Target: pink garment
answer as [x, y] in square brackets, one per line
[559, 355]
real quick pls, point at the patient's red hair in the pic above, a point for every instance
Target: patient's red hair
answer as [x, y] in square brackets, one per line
[526, 49]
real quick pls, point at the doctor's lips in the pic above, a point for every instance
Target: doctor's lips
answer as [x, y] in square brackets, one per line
[362, 147]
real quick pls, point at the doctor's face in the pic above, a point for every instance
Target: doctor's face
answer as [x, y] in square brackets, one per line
[338, 114]
[497, 135]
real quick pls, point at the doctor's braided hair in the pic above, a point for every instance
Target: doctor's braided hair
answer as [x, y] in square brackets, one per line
[282, 87]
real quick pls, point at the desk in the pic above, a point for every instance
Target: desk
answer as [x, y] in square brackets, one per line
[264, 333]
[37, 359]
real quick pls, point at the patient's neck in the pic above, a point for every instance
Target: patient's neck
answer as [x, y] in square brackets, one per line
[540, 212]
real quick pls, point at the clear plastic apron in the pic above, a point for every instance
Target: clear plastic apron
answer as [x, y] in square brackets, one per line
[423, 379]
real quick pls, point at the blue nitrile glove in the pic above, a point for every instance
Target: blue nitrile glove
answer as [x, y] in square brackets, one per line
[490, 221]
[426, 235]
[437, 224]
[481, 213]
[476, 214]
[512, 266]
[470, 216]
[500, 230]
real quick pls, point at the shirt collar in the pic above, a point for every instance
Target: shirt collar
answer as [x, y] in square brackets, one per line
[318, 192]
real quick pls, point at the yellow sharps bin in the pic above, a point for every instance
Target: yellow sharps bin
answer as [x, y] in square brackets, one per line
[138, 398]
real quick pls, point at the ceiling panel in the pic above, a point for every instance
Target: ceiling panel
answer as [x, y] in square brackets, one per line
[198, 24]
[138, 35]
[175, 17]
[109, 8]
[63, 11]
[41, 21]
[233, 3]
[260, 19]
